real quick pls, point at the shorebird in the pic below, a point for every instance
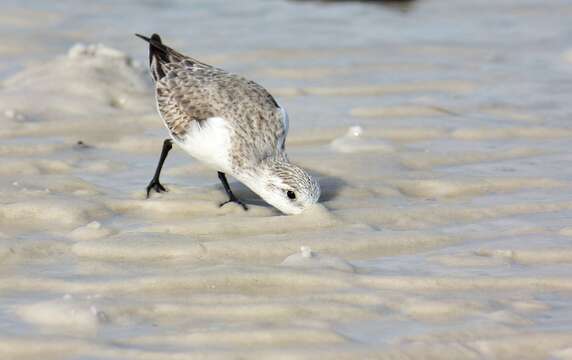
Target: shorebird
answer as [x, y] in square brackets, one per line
[231, 124]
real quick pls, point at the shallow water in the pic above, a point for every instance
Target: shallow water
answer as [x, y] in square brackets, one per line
[440, 134]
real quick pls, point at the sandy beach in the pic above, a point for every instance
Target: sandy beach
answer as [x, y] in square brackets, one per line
[441, 135]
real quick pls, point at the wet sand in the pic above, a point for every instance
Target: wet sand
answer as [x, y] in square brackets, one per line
[441, 138]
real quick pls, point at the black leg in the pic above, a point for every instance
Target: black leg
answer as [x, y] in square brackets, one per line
[231, 197]
[155, 184]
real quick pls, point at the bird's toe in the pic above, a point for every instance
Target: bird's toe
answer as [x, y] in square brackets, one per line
[234, 201]
[157, 186]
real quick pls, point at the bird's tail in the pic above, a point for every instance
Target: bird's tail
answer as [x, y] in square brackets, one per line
[160, 55]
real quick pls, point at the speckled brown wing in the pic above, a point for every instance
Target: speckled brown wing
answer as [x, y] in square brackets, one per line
[181, 98]
[195, 92]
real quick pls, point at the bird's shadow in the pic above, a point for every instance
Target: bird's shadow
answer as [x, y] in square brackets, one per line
[330, 187]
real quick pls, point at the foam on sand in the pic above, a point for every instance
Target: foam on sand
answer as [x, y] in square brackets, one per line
[354, 141]
[91, 231]
[65, 315]
[309, 258]
[63, 96]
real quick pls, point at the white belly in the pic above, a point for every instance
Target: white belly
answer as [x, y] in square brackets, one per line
[209, 142]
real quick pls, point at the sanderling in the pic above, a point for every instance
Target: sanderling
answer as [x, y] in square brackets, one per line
[231, 124]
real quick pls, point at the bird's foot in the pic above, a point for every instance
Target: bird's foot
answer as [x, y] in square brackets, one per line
[234, 200]
[155, 185]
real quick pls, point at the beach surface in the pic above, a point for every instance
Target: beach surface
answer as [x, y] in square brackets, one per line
[440, 133]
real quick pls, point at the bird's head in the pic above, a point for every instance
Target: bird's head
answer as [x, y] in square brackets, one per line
[287, 187]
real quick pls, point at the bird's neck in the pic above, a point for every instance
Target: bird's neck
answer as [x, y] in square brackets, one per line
[255, 177]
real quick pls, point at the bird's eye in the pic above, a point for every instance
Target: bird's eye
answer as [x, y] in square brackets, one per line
[291, 195]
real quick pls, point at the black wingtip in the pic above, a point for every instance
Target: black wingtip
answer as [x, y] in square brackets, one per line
[158, 53]
[143, 37]
[155, 39]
